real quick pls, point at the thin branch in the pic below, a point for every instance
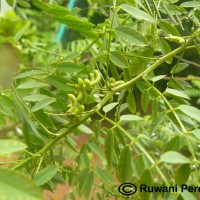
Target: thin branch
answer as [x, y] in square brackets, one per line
[188, 61]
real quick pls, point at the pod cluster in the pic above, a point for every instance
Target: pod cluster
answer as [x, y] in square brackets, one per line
[80, 98]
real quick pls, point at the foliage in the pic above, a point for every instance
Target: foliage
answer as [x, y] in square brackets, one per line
[117, 87]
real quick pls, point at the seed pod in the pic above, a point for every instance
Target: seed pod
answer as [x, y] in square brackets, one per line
[80, 81]
[80, 95]
[74, 102]
[173, 38]
[118, 83]
[87, 83]
[97, 78]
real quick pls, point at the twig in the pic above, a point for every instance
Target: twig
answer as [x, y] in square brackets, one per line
[188, 61]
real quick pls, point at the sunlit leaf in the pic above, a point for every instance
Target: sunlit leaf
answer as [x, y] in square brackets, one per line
[136, 13]
[130, 118]
[44, 175]
[109, 107]
[190, 111]
[118, 59]
[130, 35]
[42, 104]
[30, 73]
[32, 84]
[109, 147]
[9, 146]
[168, 28]
[191, 4]
[177, 93]
[174, 157]
[124, 168]
[16, 186]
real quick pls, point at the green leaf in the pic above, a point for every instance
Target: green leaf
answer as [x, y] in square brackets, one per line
[41, 5]
[154, 108]
[69, 67]
[23, 3]
[118, 59]
[42, 104]
[14, 185]
[132, 36]
[2, 120]
[177, 93]
[178, 68]
[131, 102]
[58, 10]
[174, 157]
[173, 144]
[32, 84]
[109, 147]
[78, 24]
[105, 175]
[130, 118]
[165, 49]
[60, 83]
[85, 129]
[7, 105]
[35, 97]
[87, 184]
[187, 195]
[97, 128]
[30, 73]
[191, 4]
[44, 119]
[20, 33]
[124, 169]
[196, 133]
[182, 174]
[169, 29]
[136, 13]
[96, 149]
[10, 2]
[45, 175]
[81, 177]
[109, 107]
[145, 100]
[120, 135]
[190, 111]
[146, 178]
[157, 78]
[71, 56]
[9, 146]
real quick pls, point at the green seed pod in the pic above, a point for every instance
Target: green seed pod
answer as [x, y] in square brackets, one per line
[111, 100]
[87, 83]
[80, 81]
[80, 95]
[112, 85]
[97, 78]
[180, 40]
[112, 80]
[118, 83]
[81, 108]
[92, 76]
[74, 102]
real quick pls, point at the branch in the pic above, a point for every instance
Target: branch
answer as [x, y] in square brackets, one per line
[188, 61]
